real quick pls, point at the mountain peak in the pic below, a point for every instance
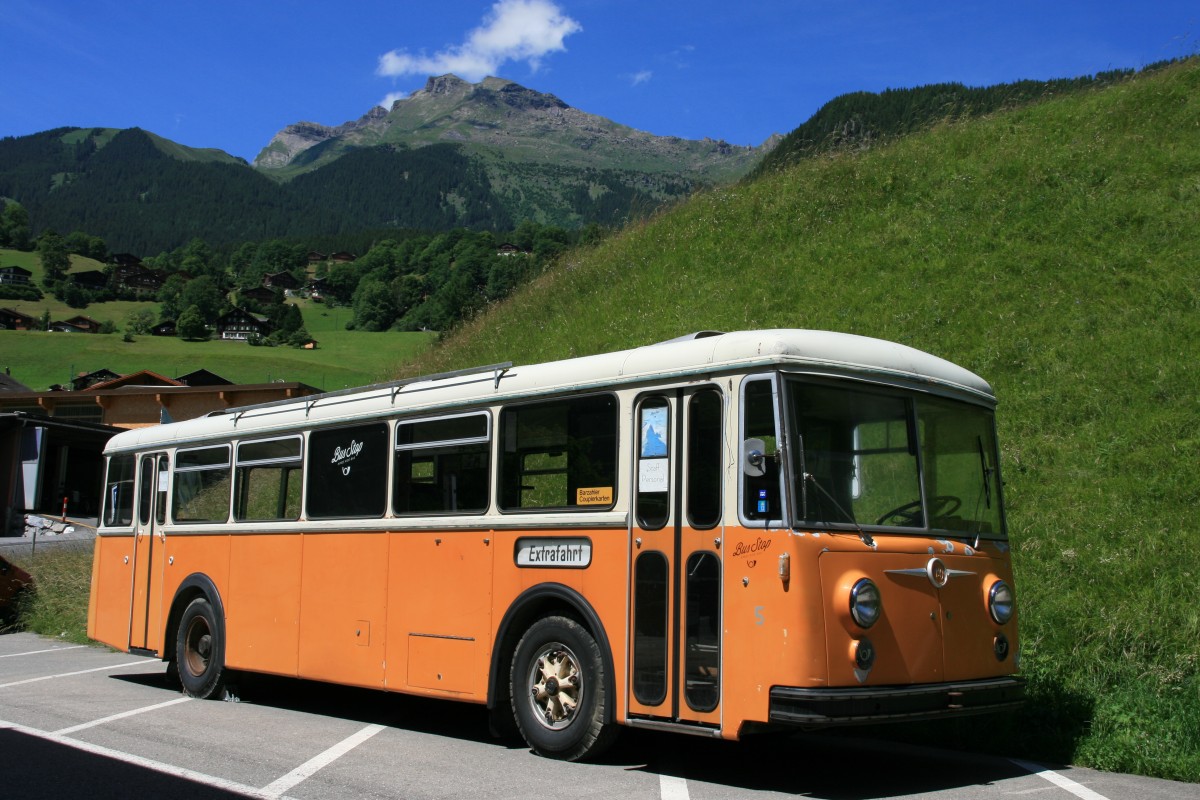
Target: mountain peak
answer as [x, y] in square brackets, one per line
[500, 116]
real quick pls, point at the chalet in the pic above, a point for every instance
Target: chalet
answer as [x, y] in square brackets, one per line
[165, 328]
[92, 279]
[343, 257]
[63, 326]
[280, 280]
[13, 320]
[15, 276]
[85, 324]
[259, 294]
[143, 280]
[203, 377]
[316, 256]
[241, 324]
[85, 380]
[317, 287]
[124, 260]
[510, 249]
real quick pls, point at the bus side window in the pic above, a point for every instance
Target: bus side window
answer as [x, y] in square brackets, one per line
[559, 454]
[442, 465]
[760, 494]
[118, 494]
[347, 472]
[201, 485]
[269, 475]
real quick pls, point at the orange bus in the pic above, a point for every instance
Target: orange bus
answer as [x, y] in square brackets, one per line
[716, 535]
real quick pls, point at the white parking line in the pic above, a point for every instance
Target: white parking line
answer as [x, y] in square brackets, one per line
[315, 763]
[122, 715]
[138, 761]
[50, 650]
[1059, 780]
[672, 788]
[78, 672]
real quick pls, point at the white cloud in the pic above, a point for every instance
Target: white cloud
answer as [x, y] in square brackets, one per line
[514, 30]
[390, 98]
[639, 78]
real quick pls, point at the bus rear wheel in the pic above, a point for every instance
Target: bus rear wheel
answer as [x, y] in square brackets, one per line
[200, 650]
[557, 690]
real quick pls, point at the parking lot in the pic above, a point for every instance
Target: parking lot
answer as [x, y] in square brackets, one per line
[86, 720]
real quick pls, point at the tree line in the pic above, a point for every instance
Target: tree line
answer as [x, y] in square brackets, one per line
[409, 281]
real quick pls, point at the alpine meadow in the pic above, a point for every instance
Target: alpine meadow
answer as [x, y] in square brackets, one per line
[1052, 249]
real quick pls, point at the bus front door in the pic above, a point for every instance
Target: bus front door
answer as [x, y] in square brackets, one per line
[675, 585]
[148, 548]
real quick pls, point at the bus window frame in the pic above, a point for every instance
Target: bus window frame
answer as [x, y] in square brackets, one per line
[239, 464]
[306, 513]
[176, 470]
[487, 438]
[778, 517]
[501, 453]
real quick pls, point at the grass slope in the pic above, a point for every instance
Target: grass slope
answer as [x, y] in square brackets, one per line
[1052, 249]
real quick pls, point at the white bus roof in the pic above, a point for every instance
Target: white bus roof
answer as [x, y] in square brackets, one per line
[697, 355]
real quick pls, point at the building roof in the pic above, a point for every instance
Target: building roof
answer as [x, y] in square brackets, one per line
[202, 377]
[143, 378]
[10, 384]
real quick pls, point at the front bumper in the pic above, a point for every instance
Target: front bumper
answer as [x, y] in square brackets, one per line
[864, 705]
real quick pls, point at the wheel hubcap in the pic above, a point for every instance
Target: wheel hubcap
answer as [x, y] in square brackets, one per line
[199, 647]
[555, 686]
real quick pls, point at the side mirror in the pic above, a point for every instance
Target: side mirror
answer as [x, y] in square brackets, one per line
[754, 458]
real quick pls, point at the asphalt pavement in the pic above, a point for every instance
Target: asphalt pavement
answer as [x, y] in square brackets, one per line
[88, 721]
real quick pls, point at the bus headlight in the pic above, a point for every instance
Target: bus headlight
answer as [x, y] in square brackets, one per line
[865, 605]
[1000, 602]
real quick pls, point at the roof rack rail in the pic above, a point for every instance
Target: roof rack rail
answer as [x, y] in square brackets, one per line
[395, 386]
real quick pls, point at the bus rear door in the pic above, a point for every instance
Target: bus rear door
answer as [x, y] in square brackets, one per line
[149, 547]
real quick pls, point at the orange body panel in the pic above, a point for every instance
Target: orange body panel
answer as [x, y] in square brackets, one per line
[262, 603]
[112, 582]
[343, 607]
[439, 622]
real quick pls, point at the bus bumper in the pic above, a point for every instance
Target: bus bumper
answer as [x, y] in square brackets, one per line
[823, 707]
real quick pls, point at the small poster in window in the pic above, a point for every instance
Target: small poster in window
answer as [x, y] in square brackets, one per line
[654, 433]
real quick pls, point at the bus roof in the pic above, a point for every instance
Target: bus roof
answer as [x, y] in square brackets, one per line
[696, 355]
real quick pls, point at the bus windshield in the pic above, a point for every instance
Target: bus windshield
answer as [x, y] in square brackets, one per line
[892, 459]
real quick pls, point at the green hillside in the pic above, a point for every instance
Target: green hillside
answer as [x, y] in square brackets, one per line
[343, 358]
[1052, 249]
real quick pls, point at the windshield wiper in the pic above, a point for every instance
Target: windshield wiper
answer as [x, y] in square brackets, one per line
[866, 537]
[987, 485]
[987, 474]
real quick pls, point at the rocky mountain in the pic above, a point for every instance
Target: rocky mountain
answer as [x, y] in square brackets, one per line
[455, 154]
[498, 116]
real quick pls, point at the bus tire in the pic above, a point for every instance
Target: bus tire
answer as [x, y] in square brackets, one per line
[557, 689]
[200, 650]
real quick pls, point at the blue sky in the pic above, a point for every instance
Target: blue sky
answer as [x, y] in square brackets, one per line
[223, 74]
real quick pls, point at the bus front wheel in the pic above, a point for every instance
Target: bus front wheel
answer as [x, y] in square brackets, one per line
[200, 650]
[557, 690]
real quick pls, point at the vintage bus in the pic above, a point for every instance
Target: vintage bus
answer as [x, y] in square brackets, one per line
[716, 535]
